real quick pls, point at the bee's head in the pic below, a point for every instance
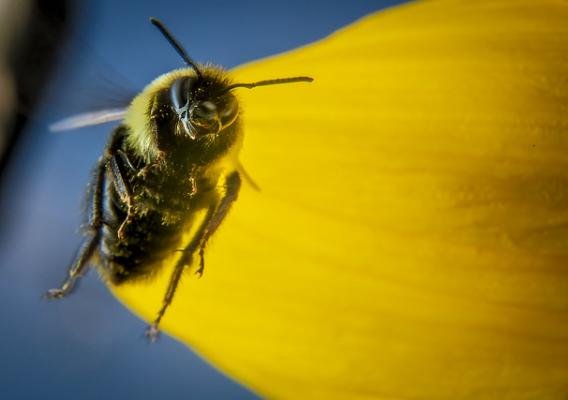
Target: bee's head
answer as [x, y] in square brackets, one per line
[202, 101]
[196, 104]
[203, 105]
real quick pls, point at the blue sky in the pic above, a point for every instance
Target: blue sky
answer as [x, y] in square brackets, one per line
[89, 346]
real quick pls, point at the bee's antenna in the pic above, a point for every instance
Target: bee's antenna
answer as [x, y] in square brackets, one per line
[158, 24]
[270, 82]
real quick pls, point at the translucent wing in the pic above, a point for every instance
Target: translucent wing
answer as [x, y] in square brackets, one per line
[88, 119]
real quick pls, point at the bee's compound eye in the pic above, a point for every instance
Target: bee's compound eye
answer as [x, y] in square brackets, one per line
[205, 110]
[229, 109]
[179, 92]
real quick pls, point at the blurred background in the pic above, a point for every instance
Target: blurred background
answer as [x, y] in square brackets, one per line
[63, 57]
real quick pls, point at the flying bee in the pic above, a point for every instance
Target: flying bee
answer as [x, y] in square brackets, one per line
[173, 157]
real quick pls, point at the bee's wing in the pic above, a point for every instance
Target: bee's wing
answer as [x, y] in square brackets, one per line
[88, 119]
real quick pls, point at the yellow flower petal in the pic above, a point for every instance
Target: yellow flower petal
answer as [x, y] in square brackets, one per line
[411, 236]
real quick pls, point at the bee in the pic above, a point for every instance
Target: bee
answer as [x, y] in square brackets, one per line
[173, 157]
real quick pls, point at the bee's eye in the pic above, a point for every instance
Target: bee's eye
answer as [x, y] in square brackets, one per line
[229, 110]
[205, 110]
[180, 90]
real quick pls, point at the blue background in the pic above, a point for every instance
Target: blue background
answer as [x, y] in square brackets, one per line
[89, 346]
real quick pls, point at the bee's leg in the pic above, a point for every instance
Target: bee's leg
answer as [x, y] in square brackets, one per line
[232, 186]
[88, 247]
[211, 222]
[181, 265]
[126, 160]
[124, 191]
[157, 161]
[152, 331]
[116, 161]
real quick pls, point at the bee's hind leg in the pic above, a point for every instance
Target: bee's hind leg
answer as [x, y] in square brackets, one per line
[81, 261]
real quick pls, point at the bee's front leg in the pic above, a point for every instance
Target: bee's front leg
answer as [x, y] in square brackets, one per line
[153, 164]
[116, 162]
[124, 191]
